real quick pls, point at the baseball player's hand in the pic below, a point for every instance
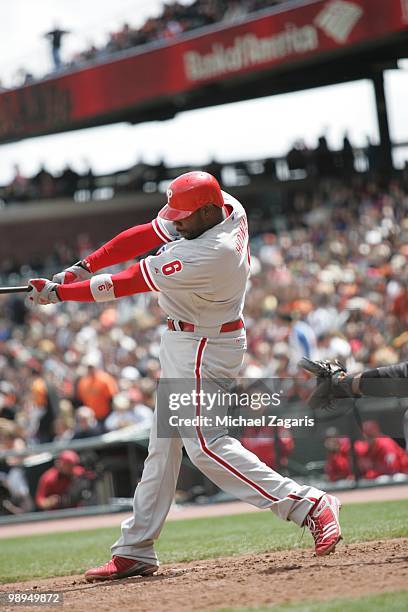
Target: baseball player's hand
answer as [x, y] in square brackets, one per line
[41, 292]
[332, 382]
[50, 502]
[74, 274]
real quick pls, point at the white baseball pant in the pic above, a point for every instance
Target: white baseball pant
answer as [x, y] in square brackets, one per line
[187, 355]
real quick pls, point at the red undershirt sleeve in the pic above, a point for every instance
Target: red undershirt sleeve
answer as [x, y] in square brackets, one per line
[42, 493]
[105, 287]
[131, 243]
[129, 281]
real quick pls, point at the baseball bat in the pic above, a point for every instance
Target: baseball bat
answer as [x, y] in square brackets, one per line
[22, 289]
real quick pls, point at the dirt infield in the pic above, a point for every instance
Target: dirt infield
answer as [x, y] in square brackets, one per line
[268, 578]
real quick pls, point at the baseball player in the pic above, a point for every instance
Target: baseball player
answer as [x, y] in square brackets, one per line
[201, 278]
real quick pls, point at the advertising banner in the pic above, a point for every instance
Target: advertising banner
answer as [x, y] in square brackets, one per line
[153, 74]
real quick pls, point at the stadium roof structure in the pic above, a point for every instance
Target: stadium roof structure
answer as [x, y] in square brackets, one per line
[294, 46]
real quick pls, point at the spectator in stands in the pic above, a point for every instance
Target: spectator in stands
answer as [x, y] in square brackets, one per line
[8, 399]
[296, 157]
[44, 405]
[127, 413]
[55, 37]
[236, 11]
[96, 389]
[14, 492]
[373, 155]
[143, 411]
[324, 159]
[18, 189]
[44, 185]
[57, 484]
[338, 461]
[86, 425]
[347, 157]
[301, 338]
[122, 414]
[67, 183]
[88, 182]
[269, 167]
[324, 318]
[63, 428]
[379, 454]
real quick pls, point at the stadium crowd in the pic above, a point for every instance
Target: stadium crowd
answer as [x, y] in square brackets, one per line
[44, 185]
[176, 18]
[329, 280]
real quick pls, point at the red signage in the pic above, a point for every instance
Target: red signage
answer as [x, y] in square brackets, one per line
[98, 93]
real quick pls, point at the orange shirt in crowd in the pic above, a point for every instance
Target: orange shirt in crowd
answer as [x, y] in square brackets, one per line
[39, 392]
[96, 390]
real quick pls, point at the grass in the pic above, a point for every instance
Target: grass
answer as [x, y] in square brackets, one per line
[384, 602]
[71, 553]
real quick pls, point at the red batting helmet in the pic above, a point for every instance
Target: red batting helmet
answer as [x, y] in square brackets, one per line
[189, 192]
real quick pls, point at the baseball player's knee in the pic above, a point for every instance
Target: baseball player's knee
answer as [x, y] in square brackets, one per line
[196, 454]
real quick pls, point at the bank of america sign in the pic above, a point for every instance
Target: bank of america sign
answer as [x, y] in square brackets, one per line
[338, 19]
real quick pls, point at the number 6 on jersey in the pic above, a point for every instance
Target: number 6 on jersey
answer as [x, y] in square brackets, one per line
[172, 267]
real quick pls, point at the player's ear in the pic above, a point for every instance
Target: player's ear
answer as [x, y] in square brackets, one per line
[207, 210]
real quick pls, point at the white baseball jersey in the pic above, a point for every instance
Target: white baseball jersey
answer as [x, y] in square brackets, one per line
[203, 280]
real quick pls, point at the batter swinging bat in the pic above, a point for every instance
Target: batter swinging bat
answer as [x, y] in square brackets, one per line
[22, 289]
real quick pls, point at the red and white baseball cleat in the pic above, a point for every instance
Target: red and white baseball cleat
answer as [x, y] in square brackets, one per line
[324, 525]
[120, 567]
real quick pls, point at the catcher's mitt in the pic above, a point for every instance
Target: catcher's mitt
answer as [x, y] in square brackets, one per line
[332, 382]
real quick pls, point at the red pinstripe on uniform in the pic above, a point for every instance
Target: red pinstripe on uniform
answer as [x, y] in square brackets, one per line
[161, 231]
[201, 439]
[147, 276]
[214, 456]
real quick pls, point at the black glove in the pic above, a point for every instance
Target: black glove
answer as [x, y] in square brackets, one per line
[332, 382]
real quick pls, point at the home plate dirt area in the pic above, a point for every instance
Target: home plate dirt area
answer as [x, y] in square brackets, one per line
[251, 580]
